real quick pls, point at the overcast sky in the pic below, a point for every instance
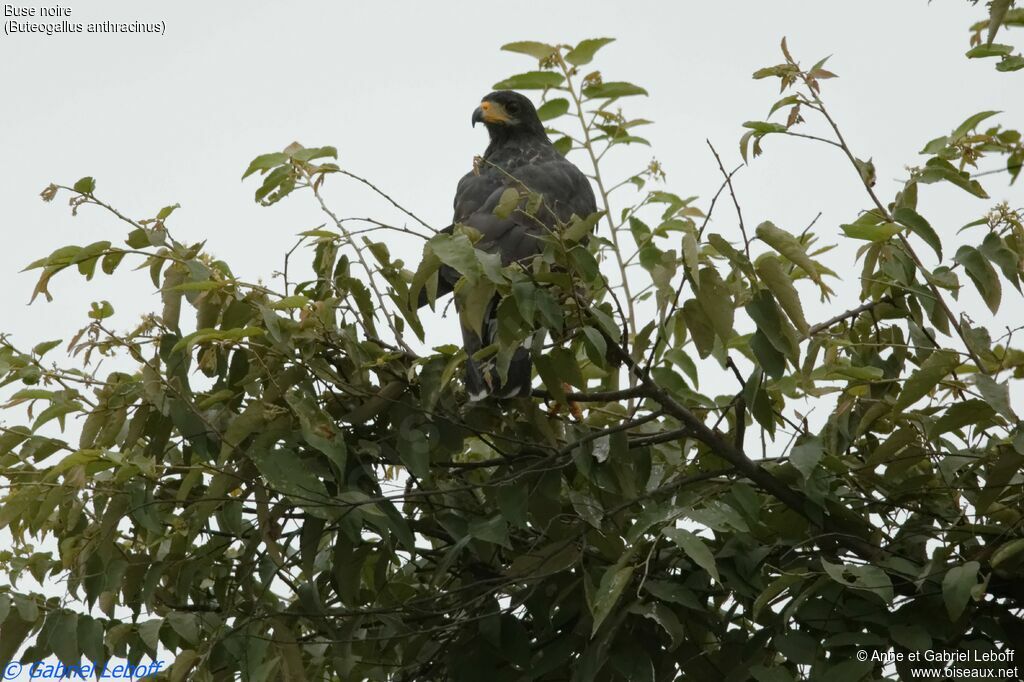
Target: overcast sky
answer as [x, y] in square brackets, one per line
[177, 117]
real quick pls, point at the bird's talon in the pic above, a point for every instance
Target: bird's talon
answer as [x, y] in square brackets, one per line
[555, 408]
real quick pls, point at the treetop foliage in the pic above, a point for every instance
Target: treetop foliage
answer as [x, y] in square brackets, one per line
[289, 484]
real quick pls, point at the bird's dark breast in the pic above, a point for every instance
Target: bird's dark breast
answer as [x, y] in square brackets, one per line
[524, 160]
[539, 169]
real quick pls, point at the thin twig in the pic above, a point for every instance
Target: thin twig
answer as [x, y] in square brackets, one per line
[884, 212]
[382, 193]
[371, 280]
[613, 232]
[735, 201]
[854, 312]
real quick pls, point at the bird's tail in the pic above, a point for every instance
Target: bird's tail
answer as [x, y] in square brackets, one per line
[482, 378]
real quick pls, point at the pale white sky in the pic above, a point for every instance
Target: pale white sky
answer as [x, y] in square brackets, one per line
[176, 118]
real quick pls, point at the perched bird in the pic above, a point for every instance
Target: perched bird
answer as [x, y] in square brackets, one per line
[521, 156]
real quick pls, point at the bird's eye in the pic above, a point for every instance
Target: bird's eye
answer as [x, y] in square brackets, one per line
[512, 108]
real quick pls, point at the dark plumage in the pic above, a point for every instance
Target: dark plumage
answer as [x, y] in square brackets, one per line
[519, 155]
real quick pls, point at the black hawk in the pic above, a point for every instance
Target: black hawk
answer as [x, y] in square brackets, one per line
[519, 156]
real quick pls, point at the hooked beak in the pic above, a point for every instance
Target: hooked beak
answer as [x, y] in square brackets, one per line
[490, 112]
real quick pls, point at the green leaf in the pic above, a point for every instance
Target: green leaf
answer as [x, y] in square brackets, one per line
[919, 226]
[778, 281]
[691, 256]
[1007, 551]
[318, 428]
[940, 170]
[766, 314]
[861, 577]
[768, 356]
[287, 473]
[13, 632]
[513, 503]
[265, 162]
[580, 229]
[165, 212]
[90, 639]
[982, 274]
[493, 530]
[204, 285]
[294, 302]
[457, 252]
[672, 592]
[612, 90]
[992, 50]
[700, 328]
[531, 80]
[587, 506]
[995, 394]
[564, 363]
[764, 127]
[585, 263]
[784, 102]
[584, 51]
[138, 238]
[790, 247]
[86, 185]
[41, 349]
[912, 637]
[64, 638]
[307, 154]
[526, 302]
[549, 375]
[549, 558]
[665, 618]
[541, 51]
[551, 312]
[745, 143]
[971, 123]
[209, 335]
[111, 260]
[872, 233]
[414, 451]
[961, 414]
[937, 145]
[927, 377]
[613, 582]
[806, 455]
[507, 203]
[476, 302]
[186, 625]
[100, 310]
[957, 585]
[596, 346]
[774, 590]
[694, 547]
[994, 248]
[149, 633]
[553, 108]
[716, 302]
[1014, 63]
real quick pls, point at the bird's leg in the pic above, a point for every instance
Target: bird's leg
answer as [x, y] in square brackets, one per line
[574, 407]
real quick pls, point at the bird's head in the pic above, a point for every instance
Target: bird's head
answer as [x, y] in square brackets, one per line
[508, 114]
